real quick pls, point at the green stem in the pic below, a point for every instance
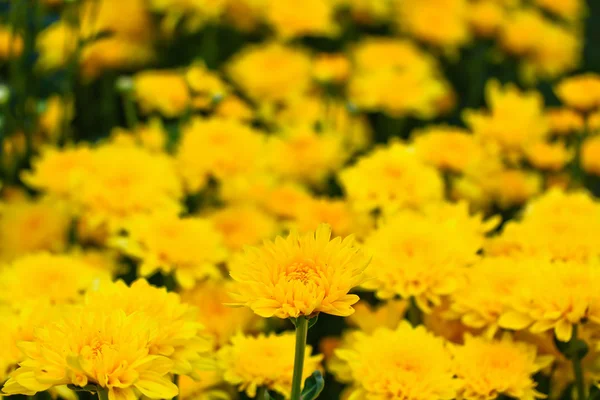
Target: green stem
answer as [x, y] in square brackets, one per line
[262, 393]
[176, 382]
[414, 314]
[577, 368]
[301, 332]
[102, 394]
[130, 112]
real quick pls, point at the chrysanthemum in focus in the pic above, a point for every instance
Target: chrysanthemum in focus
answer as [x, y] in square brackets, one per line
[190, 248]
[424, 255]
[47, 278]
[489, 368]
[220, 321]
[29, 226]
[217, 148]
[301, 275]
[407, 363]
[98, 347]
[391, 178]
[263, 361]
[581, 92]
[177, 334]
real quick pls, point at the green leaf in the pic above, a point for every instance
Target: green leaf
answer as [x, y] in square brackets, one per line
[312, 321]
[293, 320]
[573, 349]
[313, 386]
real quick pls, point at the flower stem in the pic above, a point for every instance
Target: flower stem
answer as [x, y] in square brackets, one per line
[176, 382]
[102, 394]
[577, 368]
[301, 332]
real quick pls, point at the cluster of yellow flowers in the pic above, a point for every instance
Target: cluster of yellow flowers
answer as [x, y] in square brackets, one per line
[310, 165]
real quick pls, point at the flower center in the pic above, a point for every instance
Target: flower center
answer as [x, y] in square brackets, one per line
[302, 271]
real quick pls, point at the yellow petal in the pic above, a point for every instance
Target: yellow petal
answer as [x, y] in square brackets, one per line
[563, 330]
[156, 386]
[514, 320]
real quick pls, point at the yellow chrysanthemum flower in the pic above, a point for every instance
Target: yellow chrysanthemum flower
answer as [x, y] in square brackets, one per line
[581, 92]
[564, 121]
[557, 225]
[418, 18]
[331, 68]
[209, 386]
[391, 178]
[424, 255]
[300, 275]
[106, 348]
[29, 226]
[567, 9]
[44, 277]
[406, 363]
[244, 225]
[486, 17]
[206, 86]
[314, 18]
[220, 321]
[177, 334]
[548, 156]
[190, 248]
[263, 361]
[515, 119]
[288, 68]
[484, 295]
[590, 155]
[163, 91]
[554, 295]
[489, 368]
[304, 155]
[446, 147]
[368, 318]
[218, 148]
[56, 44]
[57, 171]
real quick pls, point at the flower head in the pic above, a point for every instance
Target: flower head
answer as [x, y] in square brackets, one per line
[190, 248]
[163, 91]
[47, 278]
[407, 363]
[263, 361]
[489, 368]
[424, 254]
[176, 333]
[106, 348]
[581, 92]
[391, 178]
[301, 275]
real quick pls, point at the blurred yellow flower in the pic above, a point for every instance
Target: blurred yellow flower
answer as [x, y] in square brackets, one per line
[408, 363]
[564, 121]
[165, 92]
[220, 322]
[368, 318]
[99, 347]
[554, 296]
[31, 225]
[301, 154]
[314, 18]
[114, 53]
[209, 386]
[581, 92]
[218, 148]
[56, 44]
[424, 255]
[486, 17]
[557, 225]
[489, 368]
[176, 333]
[235, 108]
[189, 248]
[548, 156]
[447, 147]
[244, 224]
[590, 155]
[391, 178]
[47, 278]
[206, 86]
[515, 119]
[331, 68]
[300, 275]
[288, 68]
[441, 23]
[11, 45]
[56, 111]
[263, 361]
[567, 9]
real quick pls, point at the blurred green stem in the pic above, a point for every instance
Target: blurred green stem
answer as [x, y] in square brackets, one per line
[301, 333]
[102, 394]
[414, 314]
[577, 368]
